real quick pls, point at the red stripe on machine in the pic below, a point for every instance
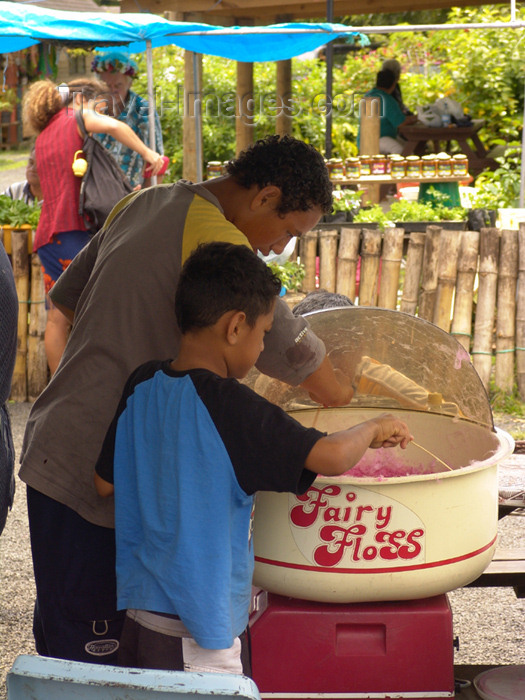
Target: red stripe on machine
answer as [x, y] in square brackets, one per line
[384, 570]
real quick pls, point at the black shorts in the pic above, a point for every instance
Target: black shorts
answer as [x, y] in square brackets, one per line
[74, 565]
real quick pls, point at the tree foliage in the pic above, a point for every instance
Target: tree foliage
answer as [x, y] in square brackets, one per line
[480, 68]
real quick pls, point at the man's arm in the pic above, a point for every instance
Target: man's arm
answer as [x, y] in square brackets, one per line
[329, 386]
[104, 488]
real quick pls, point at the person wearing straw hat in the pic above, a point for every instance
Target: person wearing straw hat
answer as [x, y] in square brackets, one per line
[118, 70]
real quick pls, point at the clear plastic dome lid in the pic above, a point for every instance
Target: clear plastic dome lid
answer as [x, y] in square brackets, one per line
[395, 360]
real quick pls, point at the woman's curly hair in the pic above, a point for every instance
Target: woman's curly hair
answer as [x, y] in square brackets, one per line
[43, 99]
[293, 166]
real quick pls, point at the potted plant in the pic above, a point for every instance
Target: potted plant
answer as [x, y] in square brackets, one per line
[346, 203]
[372, 217]
[416, 216]
[496, 189]
[16, 213]
[291, 273]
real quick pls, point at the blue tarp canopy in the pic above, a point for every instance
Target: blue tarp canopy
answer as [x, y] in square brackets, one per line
[23, 25]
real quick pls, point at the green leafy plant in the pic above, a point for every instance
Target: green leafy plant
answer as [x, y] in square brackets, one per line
[500, 188]
[291, 273]
[347, 200]
[405, 210]
[373, 214]
[16, 213]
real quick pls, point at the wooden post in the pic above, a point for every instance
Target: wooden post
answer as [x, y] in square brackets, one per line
[192, 142]
[427, 296]
[347, 262]
[283, 120]
[391, 265]
[244, 107]
[447, 272]
[327, 260]
[370, 252]
[308, 255]
[369, 127]
[36, 358]
[20, 261]
[414, 263]
[520, 314]
[506, 304]
[464, 301]
[485, 310]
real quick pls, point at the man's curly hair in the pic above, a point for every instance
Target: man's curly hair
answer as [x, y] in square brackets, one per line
[293, 166]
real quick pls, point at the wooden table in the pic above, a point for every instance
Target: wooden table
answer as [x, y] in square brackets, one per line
[418, 135]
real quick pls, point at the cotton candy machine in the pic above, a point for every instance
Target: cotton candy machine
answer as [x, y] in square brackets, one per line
[358, 567]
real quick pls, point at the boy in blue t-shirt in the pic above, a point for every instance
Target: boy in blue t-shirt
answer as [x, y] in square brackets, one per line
[187, 450]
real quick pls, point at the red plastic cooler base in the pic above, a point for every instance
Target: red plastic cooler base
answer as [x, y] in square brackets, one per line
[302, 649]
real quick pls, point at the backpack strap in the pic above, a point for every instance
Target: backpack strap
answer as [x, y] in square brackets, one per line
[80, 122]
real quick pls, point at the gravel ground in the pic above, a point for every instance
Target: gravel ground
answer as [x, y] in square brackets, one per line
[488, 621]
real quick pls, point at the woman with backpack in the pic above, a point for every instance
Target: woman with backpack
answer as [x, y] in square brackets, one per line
[49, 111]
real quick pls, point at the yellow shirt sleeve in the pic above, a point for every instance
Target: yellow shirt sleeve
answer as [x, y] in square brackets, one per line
[204, 224]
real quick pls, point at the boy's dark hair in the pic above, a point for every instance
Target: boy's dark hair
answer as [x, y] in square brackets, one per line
[385, 79]
[220, 277]
[293, 166]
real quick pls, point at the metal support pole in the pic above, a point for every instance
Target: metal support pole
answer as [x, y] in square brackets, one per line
[151, 101]
[197, 113]
[329, 84]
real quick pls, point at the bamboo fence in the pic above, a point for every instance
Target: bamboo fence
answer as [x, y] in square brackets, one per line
[471, 284]
[30, 375]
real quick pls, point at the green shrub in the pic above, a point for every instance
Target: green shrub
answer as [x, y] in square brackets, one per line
[16, 213]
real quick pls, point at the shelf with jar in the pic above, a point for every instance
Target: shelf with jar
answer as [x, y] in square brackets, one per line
[440, 167]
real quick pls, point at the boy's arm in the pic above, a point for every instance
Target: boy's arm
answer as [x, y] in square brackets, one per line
[104, 488]
[337, 453]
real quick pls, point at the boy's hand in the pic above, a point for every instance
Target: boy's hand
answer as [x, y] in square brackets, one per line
[390, 431]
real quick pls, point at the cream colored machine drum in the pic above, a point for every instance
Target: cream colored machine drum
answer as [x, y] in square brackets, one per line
[351, 539]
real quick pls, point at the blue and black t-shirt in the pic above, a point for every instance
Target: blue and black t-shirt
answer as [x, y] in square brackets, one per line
[187, 451]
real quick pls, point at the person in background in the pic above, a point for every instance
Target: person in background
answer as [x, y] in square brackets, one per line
[394, 65]
[120, 291]
[28, 190]
[392, 116]
[188, 449]
[61, 232]
[8, 341]
[320, 299]
[117, 70]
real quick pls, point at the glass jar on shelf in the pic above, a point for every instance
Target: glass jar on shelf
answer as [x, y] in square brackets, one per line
[413, 166]
[398, 166]
[429, 165]
[352, 168]
[366, 165]
[378, 165]
[444, 165]
[213, 169]
[336, 170]
[460, 164]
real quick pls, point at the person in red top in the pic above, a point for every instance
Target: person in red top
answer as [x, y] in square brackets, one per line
[61, 231]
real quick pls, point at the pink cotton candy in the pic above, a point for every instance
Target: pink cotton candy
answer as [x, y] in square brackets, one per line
[385, 463]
